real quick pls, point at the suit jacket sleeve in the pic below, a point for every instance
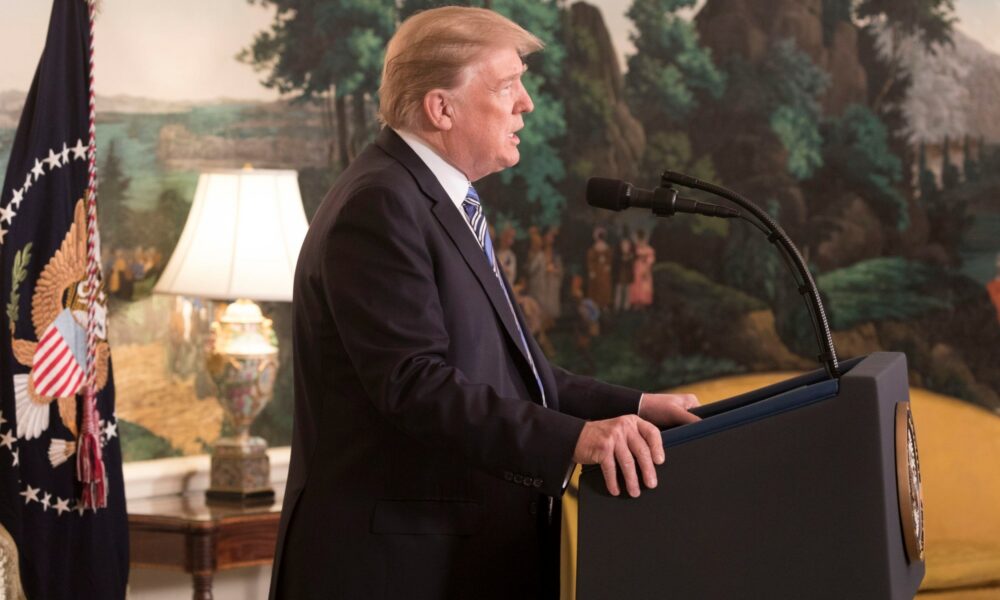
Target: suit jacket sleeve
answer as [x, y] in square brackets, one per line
[378, 280]
[591, 399]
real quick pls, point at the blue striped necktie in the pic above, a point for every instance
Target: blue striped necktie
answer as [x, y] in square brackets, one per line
[473, 209]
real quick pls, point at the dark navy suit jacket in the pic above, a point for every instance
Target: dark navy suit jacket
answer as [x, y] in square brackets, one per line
[422, 456]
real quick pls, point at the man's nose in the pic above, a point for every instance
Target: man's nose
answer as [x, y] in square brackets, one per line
[524, 103]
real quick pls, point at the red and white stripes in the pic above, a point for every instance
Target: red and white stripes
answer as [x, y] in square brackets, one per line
[56, 373]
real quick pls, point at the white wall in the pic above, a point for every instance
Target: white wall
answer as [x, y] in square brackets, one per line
[250, 583]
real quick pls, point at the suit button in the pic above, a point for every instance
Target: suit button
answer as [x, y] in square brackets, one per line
[533, 508]
[518, 478]
[537, 483]
[507, 475]
[527, 481]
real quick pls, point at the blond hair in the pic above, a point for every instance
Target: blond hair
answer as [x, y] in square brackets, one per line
[432, 49]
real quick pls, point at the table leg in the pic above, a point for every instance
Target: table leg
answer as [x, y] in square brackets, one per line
[202, 585]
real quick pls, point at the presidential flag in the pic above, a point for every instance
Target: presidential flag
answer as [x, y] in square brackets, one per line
[62, 499]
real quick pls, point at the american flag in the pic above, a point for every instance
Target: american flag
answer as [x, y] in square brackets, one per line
[53, 335]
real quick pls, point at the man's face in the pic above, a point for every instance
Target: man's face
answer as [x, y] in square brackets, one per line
[487, 115]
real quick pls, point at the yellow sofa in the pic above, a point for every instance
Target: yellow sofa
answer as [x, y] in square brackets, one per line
[959, 447]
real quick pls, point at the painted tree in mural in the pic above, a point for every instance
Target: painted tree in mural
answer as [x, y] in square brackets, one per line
[834, 12]
[587, 116]
[937, 84]
[771, 108]
[927, 182]
[116, 217]
[948, 207]
[950, 176]
[332, 50]
[668, 75]
[930, 21]
[916, 88]
[541, 168]
[327, 51]
[858, 156]
[970, 166]
[892, 30]
[408, 7]
[792, 86]
[788, 137]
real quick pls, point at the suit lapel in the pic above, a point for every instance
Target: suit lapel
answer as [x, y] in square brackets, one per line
[456, 227]
[541, 362]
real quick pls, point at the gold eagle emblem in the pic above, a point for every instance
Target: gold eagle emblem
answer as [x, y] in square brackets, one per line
[59, 290]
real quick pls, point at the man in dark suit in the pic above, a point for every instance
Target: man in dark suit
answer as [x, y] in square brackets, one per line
[431, 434]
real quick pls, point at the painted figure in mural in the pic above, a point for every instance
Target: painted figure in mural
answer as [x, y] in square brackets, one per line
[120, 282]
[588, 322]
[432, 437]
[622, 271]
[534, 316]
[993, 288]
[545, 274]
[640, 293]
[139, 264]
[550, 294]
[599, 270]
[535, 265]
[505, 253]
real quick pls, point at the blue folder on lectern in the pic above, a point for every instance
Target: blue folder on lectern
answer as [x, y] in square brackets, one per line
[805, 489]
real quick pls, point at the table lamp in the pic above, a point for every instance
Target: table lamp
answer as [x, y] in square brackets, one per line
[240, 242]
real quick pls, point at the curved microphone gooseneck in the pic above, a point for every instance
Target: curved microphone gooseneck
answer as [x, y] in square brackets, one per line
[776, 235]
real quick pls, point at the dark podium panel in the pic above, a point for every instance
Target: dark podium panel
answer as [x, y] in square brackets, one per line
[789, 491]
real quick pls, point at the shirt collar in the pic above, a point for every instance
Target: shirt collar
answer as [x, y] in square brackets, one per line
[454, 182]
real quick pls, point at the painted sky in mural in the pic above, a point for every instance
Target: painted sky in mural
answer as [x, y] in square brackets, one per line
[141, 54]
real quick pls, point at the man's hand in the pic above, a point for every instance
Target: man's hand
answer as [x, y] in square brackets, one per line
[621, 443]
[666, 410]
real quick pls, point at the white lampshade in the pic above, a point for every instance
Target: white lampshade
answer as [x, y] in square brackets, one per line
[241, 239]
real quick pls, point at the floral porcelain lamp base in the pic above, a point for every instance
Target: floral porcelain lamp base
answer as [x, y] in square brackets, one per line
[243, 365]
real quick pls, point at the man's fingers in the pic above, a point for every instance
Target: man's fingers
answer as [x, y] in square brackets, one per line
[651, 434]
[618, 445]
[610, 475]
[640, 450]
[684, 417]
[627, 464]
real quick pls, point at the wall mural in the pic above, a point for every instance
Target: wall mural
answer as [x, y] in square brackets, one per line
[871, 134]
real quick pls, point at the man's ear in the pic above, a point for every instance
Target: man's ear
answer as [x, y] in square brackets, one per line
[438, 110]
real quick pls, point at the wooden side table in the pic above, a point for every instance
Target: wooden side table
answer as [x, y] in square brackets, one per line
[184, 533]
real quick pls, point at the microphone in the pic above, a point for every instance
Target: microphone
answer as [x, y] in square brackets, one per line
[615, 194]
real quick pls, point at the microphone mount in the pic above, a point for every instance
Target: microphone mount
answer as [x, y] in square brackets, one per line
[666, 203]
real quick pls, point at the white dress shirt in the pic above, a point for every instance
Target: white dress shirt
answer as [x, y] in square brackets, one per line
[454, 182]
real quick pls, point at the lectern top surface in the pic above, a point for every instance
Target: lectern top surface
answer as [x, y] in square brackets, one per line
[757, 404]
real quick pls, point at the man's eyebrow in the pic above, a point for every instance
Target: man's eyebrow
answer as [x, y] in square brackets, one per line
[508, 79]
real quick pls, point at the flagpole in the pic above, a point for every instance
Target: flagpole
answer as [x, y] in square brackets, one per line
[89, 463]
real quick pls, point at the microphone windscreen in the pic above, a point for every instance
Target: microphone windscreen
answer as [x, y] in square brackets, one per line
[611, 194]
